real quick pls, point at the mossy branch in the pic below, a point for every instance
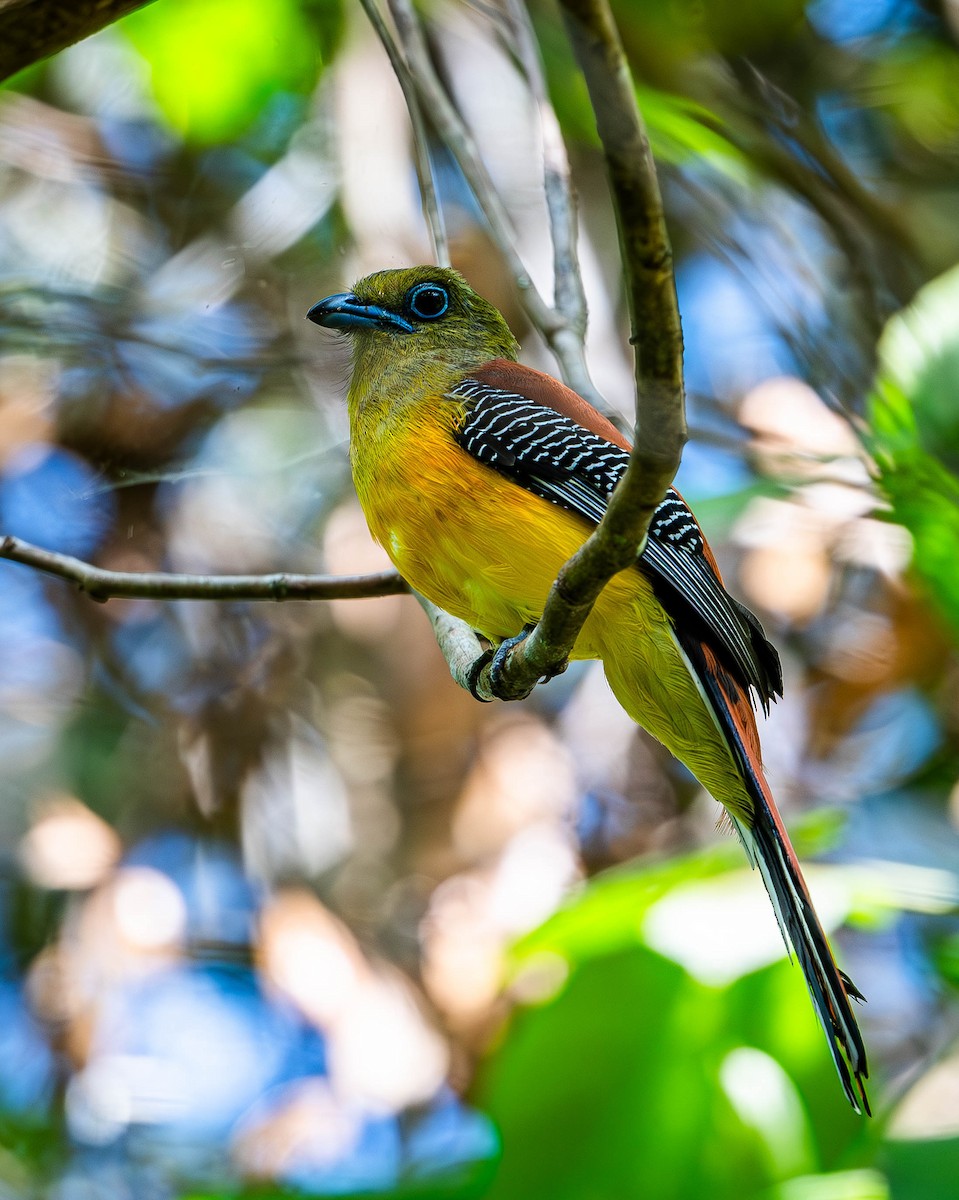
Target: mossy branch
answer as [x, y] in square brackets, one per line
[656, 338]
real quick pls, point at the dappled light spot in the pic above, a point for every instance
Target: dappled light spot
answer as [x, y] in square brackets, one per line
[150, 908]
[786, 567]
[310, 956]
[533, 874]
[864, 1184]
[383, 1054]
[523, 773]
[765, 1098]
[930, 1109]
[786, 581]
[68, 846]
[539, 978]
[473, 916]
[462, 950]
[27, 391]
[793, 424]
[721, 929]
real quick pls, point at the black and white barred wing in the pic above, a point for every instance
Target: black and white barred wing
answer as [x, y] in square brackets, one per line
[554, 457]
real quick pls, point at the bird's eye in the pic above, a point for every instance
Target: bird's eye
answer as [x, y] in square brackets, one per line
[428, 301]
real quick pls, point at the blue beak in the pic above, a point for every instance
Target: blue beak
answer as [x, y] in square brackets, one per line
[346, 311]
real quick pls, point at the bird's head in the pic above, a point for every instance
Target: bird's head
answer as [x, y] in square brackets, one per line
[424, 313]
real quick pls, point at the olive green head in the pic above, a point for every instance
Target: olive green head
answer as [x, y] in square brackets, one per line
[424, 313]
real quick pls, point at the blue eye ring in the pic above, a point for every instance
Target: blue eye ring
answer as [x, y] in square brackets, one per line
[428, 301]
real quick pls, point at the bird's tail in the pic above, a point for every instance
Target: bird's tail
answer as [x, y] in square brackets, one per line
[767, 845]
[768, 849]
[681, 692]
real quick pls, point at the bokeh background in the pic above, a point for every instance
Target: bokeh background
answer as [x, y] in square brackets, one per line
[283, 911]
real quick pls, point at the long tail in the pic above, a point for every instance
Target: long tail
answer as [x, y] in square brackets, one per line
[767, 845]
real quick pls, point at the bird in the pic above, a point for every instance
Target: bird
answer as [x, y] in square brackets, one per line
[481, 477]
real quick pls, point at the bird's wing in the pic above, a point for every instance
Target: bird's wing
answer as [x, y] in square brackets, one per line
[547, 439]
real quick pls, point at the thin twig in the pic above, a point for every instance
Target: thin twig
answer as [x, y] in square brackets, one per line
[100, 584]
[657, 338]
[432, 211]
[464, 650]
[458, 643]
[458, 139]
[568, 293]
[565, 341]
[885, 222]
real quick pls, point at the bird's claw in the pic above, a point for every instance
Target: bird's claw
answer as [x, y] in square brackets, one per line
[497, 671]
[474, 676]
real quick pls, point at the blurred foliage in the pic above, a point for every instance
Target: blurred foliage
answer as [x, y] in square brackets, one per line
[914, 433]
[264, 49]
[281, 912]
[742, 1099]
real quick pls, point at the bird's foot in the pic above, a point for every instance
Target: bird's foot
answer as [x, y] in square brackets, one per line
[498, 676]
[497, 670]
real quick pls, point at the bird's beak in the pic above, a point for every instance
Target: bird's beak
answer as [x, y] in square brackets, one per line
[346, 311]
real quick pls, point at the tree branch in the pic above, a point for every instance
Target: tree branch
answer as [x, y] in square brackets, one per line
[465, 651]
[147, 585]
[657, 338]
[31, 30]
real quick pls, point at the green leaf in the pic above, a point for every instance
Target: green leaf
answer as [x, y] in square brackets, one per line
[216, 63]
[612, 1091]
[681, 129]
[923, 1169]
[839, 1185]
[914, 433]
[918, 368]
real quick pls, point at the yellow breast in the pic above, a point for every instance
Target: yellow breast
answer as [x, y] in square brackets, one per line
[472, 542]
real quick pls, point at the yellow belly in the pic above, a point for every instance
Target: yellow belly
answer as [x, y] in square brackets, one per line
[477, 545]
[488, 551]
